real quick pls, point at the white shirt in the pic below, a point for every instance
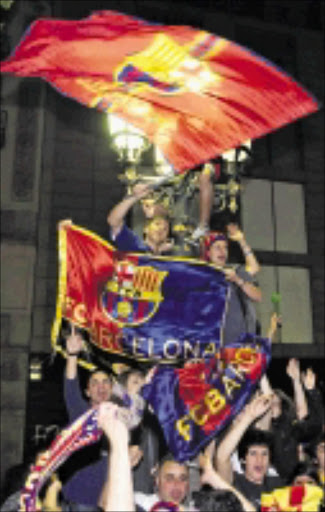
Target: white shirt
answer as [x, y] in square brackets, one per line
[146, 501]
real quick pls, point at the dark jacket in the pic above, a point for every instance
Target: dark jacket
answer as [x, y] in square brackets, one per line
[290, 432]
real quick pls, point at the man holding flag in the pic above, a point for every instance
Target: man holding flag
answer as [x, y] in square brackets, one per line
[243, 291]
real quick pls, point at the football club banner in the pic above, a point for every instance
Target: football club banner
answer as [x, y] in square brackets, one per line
[145, 307]
[194, 94]
[193, 404]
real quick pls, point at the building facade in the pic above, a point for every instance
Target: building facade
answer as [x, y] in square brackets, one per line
[56, 163]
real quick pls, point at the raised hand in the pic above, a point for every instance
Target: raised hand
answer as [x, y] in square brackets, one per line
[110, 420]
[74, 342]
[258, 406]
[293, 369]
[234, 233]
[231, 275]
[65, 222]
[141, 190]
[275, 322]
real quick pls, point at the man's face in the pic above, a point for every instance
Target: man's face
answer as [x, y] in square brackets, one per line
[157, 231]
[218, 253]
[99, 388]
[257, 463]
[172, 482]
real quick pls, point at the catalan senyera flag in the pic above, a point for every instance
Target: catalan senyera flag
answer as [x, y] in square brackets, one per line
[145, 307]
[194, 403]
[193, 94]
[297, 498]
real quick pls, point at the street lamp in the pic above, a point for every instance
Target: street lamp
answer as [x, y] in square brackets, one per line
[130, 143]
[126, 140]
[233, 163]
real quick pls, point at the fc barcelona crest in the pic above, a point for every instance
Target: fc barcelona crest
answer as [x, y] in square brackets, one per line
[133, 294]
[169, 67]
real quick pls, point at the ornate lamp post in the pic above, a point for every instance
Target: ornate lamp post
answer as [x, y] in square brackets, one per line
[130, 143]
[233, 164]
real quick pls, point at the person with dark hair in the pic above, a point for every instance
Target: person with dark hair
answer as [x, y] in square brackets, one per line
[82, 490]
[305, 473]
[215, 500]
[303, 492]
[293, 421]
[255, 451]
[240, 315]
[316, 450]
[255, 437]
[215, 493]
[126, 387]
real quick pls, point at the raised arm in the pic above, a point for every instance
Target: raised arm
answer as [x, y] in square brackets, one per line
[74, 401]
[117, 494]
[256, 408]
[314, 398]
[293, 370]
[211, 477]
[74, 345]
[275, 322]
[117, 215]
[251, 264]
[264, 423]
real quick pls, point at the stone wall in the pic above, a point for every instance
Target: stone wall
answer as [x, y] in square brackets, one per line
[21, 170]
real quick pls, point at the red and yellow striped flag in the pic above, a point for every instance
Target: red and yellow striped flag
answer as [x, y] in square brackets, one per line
[298, 498]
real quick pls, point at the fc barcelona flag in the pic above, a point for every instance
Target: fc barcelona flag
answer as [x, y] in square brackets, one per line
[141, 306]
[193, 404]
[193, 94]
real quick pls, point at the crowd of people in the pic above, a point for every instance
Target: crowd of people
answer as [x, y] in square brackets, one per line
[275, 442]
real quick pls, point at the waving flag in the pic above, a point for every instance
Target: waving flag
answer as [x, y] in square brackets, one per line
[193, 94]
[297, 498]
[145, 307]
[196, 402]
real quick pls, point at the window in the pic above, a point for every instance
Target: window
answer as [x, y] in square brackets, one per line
[295, 307]
[273, 215]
